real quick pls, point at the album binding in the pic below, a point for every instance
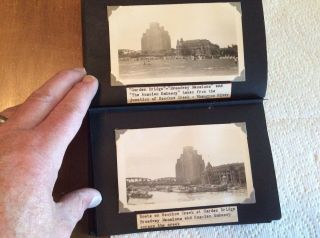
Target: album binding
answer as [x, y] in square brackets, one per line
[177, 129]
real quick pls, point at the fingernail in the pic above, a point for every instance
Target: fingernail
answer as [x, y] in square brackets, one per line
[89, 79]
[95, 201]
[81, 70]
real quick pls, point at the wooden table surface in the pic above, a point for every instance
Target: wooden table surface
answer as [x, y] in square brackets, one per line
[37, 39]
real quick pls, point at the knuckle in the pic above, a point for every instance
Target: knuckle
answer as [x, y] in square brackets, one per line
[43, 96]
[65, 73]
[80, 208]
[73, 108]
[69, 73]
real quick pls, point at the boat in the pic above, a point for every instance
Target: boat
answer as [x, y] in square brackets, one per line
[219, 188]
[234, 188]
[140, 194]
[212, 188]
[169, 189]
[182, 189]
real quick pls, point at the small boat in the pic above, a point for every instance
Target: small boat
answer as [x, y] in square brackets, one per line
[234, 188]
[219, 188]
[169, 189]
[139, 194]
[182, 189]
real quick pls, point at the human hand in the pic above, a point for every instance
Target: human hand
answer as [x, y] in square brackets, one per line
[33, 142]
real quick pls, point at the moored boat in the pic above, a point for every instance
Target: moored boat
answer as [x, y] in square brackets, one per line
[140, 194]
[219, 188]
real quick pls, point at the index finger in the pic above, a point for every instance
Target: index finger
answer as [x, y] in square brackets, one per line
[64, 121]
[42, 101]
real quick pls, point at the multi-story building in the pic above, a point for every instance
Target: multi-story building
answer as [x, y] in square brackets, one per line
[197, 48]
[229, 173]
[155, 40]
[189, 167]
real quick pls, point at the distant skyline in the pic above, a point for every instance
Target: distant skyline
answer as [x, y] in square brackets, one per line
[212, 21]
[155, 151]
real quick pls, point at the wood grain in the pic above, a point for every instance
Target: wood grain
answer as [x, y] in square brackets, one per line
[37, 39]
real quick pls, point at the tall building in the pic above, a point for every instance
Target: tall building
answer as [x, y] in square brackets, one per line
[155, 40]
[189, 167]
[199, 47]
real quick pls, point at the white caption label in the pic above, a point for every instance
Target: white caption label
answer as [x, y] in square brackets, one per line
[178, 93]
[187, 217]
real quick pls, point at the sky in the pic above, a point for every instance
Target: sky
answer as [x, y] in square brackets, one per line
[153, 153]
[213, 21]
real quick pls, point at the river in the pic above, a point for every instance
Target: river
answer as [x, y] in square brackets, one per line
[174, 197]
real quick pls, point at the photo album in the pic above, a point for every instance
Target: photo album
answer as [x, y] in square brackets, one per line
[177, 130]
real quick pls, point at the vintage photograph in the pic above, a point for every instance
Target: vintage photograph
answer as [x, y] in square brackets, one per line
[176, 43]
[185, 166]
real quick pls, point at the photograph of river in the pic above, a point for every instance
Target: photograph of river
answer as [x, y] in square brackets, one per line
[184, 166]
[174, 43]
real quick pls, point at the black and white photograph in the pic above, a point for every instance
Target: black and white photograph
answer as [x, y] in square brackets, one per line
[176, 43]
[184, 166]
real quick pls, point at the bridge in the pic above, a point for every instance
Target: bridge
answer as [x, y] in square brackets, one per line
[147, 181]
[165, 181]
[138, 180]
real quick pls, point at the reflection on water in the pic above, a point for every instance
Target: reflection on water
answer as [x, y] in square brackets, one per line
[169, 197]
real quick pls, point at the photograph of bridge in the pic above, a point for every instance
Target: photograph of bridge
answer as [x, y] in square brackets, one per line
[183, 166]
[176, 43]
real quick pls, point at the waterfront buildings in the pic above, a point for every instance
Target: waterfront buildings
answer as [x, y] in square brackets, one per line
[230, 51]
[191, 169]
[233, 174]
[197, 48]
[156, 44]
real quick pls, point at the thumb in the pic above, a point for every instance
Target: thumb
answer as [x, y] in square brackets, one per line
[72, 206]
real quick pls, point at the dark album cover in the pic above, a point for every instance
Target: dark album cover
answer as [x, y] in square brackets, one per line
[177, 129]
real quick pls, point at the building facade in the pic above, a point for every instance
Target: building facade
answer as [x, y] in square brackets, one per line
[198, 48]
[189, 167]
[230, 51]
[233, 174]
[155, 40]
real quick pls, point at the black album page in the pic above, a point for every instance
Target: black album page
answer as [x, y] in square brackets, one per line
[177, 129]
[160, 52]
[182, 166]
